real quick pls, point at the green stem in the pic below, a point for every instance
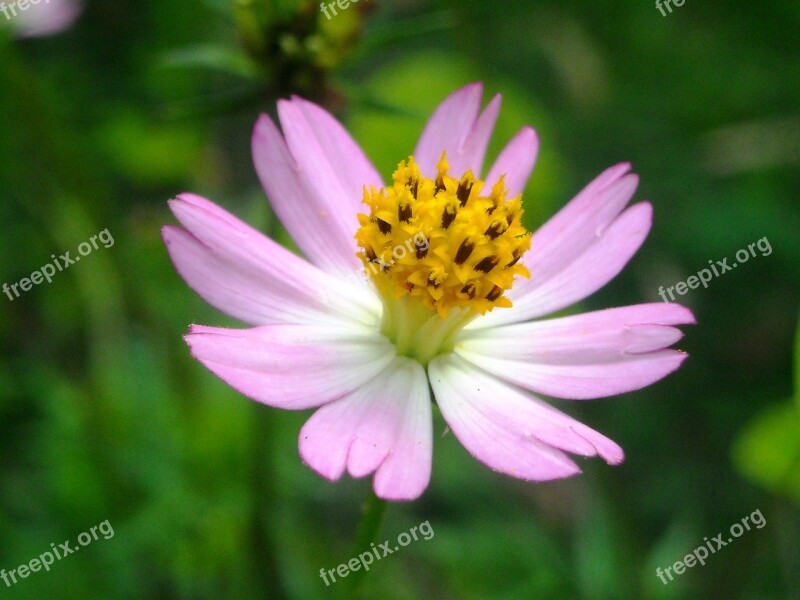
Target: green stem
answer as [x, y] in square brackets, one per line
[367, 533]
[371, 521]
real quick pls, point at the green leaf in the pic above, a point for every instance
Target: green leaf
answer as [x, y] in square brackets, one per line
[217, 58]
[797, 366]
[768, 452]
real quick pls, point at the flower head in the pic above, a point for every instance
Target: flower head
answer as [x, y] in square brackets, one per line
[450, 300]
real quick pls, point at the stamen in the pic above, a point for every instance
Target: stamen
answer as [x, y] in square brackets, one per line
[487, 264]
[384, 227]
[495, 229]
[404, 213]
[496, 292]
[464, 190]
[439, 242]
[448, 216]
[464, 251]
[517, 255]
[469, 290]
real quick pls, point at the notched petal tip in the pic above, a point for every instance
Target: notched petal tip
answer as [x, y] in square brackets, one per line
[196, 330]
[618, 170]
[688, 317]
[166, 232]
[265, 134]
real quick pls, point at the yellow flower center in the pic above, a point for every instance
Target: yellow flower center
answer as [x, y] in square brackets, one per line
[440, 252]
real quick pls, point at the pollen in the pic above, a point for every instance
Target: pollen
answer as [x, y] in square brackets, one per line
[445, 241]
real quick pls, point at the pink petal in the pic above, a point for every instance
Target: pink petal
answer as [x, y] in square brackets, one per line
[585, 356]
[590, 271]
[47, 18]
[474, 149]
[509, 430]
[314, 200]
[248, 276]
[516, 162]
[291, 366]
[383, 427]
[344, 157]
[456, 128]
[579, 250]
[577, 226]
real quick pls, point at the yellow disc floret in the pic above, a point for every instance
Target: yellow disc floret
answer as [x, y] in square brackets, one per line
[443, 242]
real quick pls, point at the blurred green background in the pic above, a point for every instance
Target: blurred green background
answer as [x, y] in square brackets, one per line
[104, 416]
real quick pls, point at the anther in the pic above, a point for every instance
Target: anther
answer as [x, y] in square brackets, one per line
[517, 255]
[469, 290]
[404, 213]
[463, 191]
[464, 251]
[448, 216]
[487, 264]
[494, 230]
[496, 292]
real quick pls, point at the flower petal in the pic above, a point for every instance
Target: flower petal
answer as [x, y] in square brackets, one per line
[585, 356]
[580, 223]
[579, 250]
[248, 276]
[516, 162]
[291, 366]
[344, 157]
[474, 149]
[385, 426]
[315, 202]
[456, 128]
[508, 429]
[52, 18]
[593, 269]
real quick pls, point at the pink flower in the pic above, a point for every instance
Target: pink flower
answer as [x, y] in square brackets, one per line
[364, 331]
